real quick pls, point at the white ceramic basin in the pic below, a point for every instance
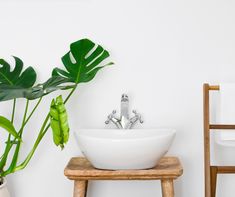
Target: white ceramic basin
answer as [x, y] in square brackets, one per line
[115, 149]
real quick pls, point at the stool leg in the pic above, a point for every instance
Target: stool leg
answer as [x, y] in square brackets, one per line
[167, 188]
[80, 188]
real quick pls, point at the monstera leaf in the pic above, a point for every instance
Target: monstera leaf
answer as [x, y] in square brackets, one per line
[51, 85]
[12, 82]
[16, 78]
[18, 84]
[82, 62]
[59, 122]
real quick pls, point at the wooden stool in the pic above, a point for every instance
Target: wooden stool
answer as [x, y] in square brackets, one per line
[81, 171]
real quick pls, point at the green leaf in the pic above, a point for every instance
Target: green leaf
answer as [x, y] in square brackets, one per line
[15, 83]
[52, 84]
[19, 85]
[59, 122]
[82, 62]
[49, 86]
[10, 92]
[16, 78]
[8, 126]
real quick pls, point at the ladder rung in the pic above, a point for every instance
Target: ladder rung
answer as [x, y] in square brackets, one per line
[225, 169]
[221, 126]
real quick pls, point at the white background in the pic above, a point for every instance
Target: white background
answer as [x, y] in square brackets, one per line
[163, 52]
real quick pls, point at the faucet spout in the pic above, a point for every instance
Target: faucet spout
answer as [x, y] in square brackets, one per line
[125, 106]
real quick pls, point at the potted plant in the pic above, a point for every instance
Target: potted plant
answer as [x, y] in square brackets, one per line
[82, 63]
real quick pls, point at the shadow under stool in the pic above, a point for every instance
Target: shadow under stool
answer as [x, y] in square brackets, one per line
[81, 171]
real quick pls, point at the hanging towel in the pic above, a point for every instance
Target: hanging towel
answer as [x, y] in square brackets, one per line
[226, 113]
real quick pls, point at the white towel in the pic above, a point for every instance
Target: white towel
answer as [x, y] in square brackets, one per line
[227, 114]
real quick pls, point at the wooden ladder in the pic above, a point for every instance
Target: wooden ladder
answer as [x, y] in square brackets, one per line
[212, 171]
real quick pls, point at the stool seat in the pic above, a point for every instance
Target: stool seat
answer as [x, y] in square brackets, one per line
[81, 171]
[80, 168]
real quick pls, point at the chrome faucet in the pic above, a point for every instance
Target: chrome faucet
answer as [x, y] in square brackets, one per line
[124, 122]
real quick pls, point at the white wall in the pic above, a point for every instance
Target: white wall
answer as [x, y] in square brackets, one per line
[163, 50]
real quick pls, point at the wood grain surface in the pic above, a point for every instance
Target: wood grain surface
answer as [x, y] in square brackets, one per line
[80, 188]
[79, 168]
[167, 188]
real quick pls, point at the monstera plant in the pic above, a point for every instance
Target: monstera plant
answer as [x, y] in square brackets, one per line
[81, 63]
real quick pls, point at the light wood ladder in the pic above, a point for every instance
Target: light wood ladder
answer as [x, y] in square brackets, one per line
[212, 171]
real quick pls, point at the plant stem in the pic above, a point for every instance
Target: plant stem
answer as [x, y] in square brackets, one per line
[13, 111]
[35, 107]
[38, 140]
[8, 148]
[70, 94]
[26, 121]
[41, 134]
[17, 149]
[25, 114]
[8, 144]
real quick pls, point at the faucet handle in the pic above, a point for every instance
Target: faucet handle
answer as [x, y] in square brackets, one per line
[138, 116]
[110, 116]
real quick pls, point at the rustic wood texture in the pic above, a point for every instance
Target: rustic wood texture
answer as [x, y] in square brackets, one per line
[80, 188]
[221, 126]
[167, 188]
[225, 169]
[206, 115]
[212, 171]
[79, 168]
[214, 87]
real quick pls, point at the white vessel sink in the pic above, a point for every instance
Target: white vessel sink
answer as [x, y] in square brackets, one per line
[116, 149]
